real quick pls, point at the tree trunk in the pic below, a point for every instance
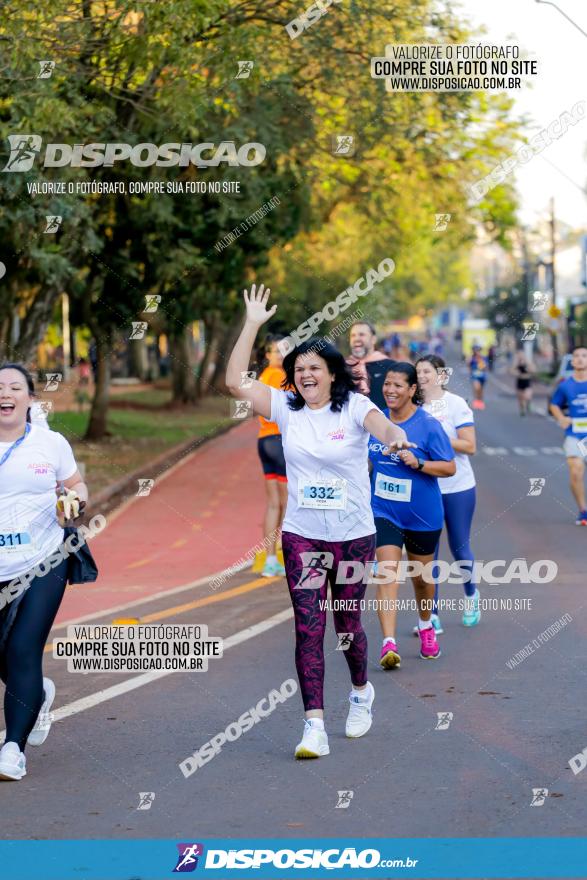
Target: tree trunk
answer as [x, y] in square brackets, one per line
[183, 380]
[139, 362]
[98, 416]
[4, 339]
[223, 350]
[211, 329]
[35, 323]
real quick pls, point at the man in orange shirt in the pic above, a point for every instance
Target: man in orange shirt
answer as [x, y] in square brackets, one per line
[272, 461]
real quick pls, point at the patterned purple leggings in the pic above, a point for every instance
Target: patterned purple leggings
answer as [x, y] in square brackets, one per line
[311, 564]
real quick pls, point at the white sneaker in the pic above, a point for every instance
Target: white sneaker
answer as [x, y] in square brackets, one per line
[435, 620]
[360, 717]
[40, 731]
[314, 743]
[12, 762]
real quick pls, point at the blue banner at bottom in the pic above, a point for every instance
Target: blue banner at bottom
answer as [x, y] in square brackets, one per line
[418, 858]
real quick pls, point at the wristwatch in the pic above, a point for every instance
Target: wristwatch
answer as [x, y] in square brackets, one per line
[421, 463]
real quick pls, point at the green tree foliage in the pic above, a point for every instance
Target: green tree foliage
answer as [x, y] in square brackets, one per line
[148, 72]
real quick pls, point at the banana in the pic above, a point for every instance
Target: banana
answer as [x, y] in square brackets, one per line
[68, 503]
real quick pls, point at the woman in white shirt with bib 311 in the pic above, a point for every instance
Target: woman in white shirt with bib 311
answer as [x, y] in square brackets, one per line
[33, 573]
[328, 533]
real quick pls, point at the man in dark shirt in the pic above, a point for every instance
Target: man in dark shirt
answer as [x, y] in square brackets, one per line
[369, 367]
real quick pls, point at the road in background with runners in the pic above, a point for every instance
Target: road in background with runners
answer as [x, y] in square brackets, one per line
[480, 742]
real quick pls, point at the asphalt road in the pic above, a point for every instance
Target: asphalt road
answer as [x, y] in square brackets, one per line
[513, 728]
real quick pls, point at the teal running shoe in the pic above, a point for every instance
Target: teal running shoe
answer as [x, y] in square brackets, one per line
[472, 612]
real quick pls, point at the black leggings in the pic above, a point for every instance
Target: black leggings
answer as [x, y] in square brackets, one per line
[21, 659]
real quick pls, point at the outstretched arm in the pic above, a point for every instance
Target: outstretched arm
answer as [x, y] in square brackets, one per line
[238, 363]
[385, 431]
[437, 468]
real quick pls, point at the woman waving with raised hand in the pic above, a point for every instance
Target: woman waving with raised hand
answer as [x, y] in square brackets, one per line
[325, 425]
[33, 461]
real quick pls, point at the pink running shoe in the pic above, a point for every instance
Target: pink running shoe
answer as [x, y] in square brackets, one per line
[429, 649]
[390, 659]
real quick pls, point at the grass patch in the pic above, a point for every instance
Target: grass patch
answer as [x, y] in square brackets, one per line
[137, 436]
[154, 397]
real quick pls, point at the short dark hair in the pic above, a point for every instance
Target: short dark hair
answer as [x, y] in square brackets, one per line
[437, 362]
[366, 324]
[271, 338]
[343, 384]
[20, 368]
[409, 371]
[261, 355]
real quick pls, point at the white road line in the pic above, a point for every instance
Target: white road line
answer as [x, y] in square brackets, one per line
[162, 594]
[523, 450]
[138, 681]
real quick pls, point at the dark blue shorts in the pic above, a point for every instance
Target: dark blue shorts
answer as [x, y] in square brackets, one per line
[418, 543]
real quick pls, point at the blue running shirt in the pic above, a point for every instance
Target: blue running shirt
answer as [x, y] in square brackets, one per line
[401, 494]
[572, 396]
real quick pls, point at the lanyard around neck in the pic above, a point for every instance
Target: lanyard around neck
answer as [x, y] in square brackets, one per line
[15, 445]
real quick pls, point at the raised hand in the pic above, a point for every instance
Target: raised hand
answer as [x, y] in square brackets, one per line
[256, 303]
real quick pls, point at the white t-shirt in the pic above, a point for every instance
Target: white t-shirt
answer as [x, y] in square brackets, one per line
[321, 446]
[453, 412]
[29, 531]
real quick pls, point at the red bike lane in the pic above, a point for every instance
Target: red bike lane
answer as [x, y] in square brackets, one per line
[201, 517]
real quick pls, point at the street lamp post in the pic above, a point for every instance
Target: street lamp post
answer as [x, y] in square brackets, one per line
[552, 225]
[562, 12]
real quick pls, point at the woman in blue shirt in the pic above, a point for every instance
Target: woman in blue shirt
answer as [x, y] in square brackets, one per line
[407, 506]
[478, 370]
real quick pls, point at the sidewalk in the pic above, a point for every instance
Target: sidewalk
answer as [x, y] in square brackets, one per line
[183, 530]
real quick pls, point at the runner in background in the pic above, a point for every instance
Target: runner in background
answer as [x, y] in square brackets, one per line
[523, 370]
[84, 371]
[32, 462]
[491, 355]
[325, 426]
[458, 492]
[387, 346]
[407, 507]
[571, 395]
[368, 366]
[478, 371]
[437, 344]
[270, 448]
[396, 347]
[413, 348]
